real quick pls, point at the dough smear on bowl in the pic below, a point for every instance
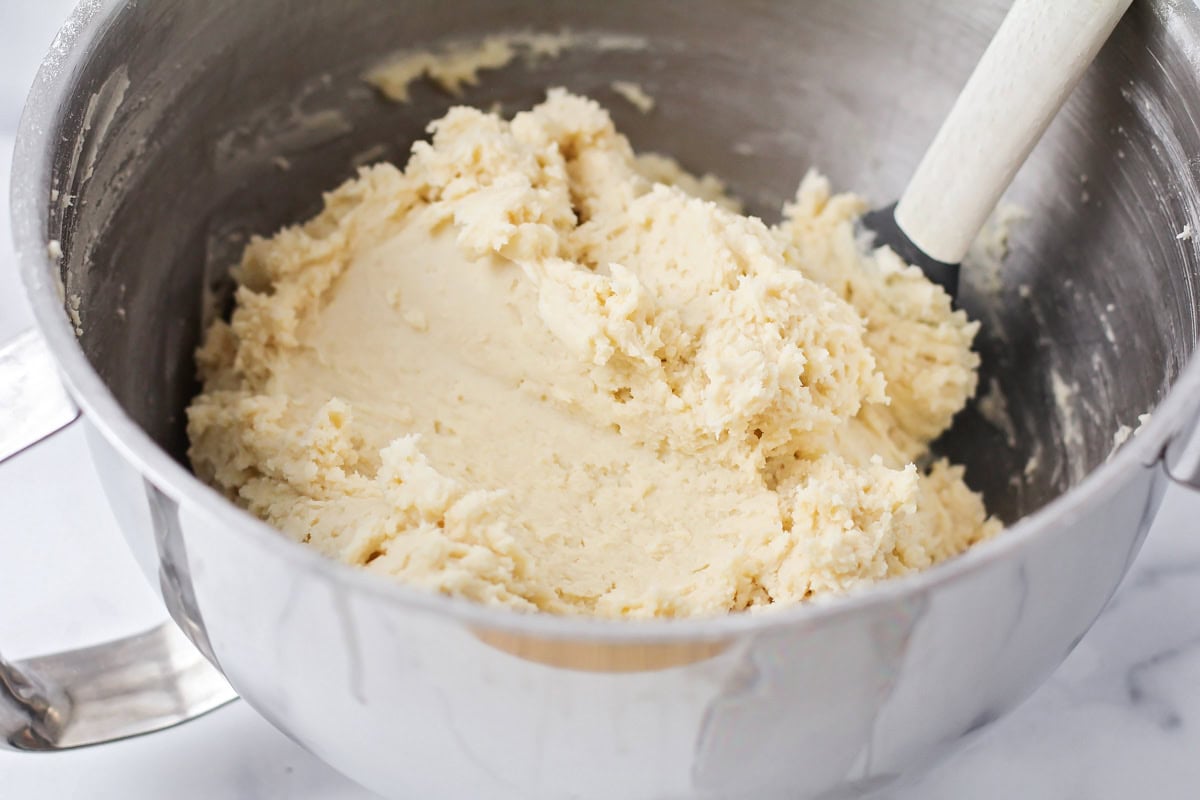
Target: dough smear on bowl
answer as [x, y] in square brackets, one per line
[536, 370]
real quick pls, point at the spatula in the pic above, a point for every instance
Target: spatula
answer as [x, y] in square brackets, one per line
[1034, 61]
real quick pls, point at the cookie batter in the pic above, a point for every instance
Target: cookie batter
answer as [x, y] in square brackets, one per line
[536, 370]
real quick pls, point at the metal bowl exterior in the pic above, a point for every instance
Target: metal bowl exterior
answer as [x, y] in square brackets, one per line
[417, 702]
[416, 696]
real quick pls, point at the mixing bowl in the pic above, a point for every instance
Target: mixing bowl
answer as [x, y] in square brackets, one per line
[159, 136]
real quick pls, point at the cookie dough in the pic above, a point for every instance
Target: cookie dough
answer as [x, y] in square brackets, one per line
[536, 370]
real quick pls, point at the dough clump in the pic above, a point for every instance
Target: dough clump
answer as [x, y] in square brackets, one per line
[537, 370]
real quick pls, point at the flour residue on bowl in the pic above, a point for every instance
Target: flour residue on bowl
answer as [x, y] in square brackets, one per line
[1125, 432]
[98, 116]
[634, 94]
[456, 64]
[270, 133]
[993, 407]
[984, 262]
[1066, 405]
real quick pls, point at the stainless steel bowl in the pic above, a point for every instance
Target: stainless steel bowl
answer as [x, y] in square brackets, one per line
[150, 150]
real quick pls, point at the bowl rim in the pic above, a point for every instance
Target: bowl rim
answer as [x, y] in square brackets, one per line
[30, 192]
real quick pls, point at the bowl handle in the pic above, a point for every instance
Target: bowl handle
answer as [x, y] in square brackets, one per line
[108, 691]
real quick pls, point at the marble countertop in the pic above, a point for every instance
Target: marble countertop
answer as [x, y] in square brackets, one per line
[1120, 718]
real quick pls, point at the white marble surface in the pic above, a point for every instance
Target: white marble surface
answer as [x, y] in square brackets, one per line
[1120, 719]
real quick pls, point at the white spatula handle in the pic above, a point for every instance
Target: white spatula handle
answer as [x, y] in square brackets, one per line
[1036, 58]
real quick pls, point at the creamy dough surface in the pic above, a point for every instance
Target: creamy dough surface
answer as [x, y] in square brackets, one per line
[536, 370]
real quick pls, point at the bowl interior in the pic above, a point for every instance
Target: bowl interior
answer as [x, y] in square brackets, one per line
[195, 127]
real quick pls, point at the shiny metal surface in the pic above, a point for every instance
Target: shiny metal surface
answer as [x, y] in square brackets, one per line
[94, 694]
[161, 125]
[33, 404]
[110, 691]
